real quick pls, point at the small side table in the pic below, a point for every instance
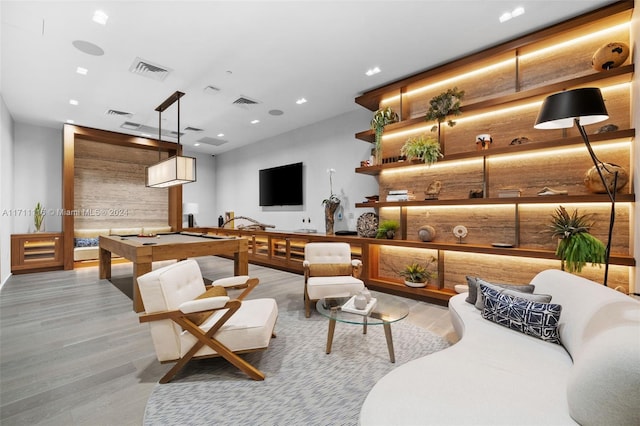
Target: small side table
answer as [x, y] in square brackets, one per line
[388, 309]
[37, 252]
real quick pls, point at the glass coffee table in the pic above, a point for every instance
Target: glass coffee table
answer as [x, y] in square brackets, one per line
[388, 309]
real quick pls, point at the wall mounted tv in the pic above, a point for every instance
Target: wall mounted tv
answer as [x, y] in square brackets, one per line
[281, 186]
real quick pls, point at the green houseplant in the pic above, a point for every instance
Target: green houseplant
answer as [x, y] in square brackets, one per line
[444, 105]
[418, 275]
[576, 246]
[38, 217]
[381, 118]
[387, 229]
[422, 147]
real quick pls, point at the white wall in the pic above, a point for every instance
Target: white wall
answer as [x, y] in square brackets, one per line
[202, 191]
[320, 146]
[6, 190]
[37, 176]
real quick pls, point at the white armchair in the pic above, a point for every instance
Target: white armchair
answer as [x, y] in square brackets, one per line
[329, 271]
[188, 321]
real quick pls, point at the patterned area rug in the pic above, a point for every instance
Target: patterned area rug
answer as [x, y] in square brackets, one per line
[303, 385]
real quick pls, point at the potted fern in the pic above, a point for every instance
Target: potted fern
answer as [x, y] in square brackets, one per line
[422, 147]
[418, 275]
[576, 246]
[381, 118]
[387, 229]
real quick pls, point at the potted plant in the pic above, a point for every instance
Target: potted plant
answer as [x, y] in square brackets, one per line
[387, 229]
[445, 104]
[422, 147]
[418, 275]
[576, 246]
[330, 205]
[381, 118]
[38, 217]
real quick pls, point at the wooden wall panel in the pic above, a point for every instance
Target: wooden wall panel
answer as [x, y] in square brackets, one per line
[509, 269]
[110, 187]
[560, 169]
[457, 179]
[568, 62]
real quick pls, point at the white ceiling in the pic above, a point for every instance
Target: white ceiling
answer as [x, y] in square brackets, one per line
[274, 52]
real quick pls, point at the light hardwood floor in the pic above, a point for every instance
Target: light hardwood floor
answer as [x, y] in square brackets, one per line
[73, 353]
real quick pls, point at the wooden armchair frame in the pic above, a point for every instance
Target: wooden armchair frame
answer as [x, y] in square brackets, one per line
[207, 338]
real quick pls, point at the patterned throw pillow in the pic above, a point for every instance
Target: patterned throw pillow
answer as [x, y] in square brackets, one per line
[528, 288]
[86, 242]
[532, 318]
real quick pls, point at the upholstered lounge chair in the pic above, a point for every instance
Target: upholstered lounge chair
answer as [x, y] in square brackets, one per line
[329, 272]
[188, 321]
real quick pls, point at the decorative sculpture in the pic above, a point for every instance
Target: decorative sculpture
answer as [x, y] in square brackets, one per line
[256, 226]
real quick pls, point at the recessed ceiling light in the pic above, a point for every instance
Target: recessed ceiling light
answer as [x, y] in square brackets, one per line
[73, 102]
[508, 15]
[301, 101]
[70, 121]
[82, 71]
[372, 71]
[255, 121]
[220, 135]
[145, 135]
[100, 17]
[196, 144]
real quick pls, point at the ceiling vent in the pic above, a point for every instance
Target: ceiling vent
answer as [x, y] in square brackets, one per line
[150, 130]
[245, 102]
[130, 126]
[211, 90]
[149, 69]
[212, 141]
[116, 113]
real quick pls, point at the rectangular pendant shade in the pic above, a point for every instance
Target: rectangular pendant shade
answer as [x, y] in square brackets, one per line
[176, 170]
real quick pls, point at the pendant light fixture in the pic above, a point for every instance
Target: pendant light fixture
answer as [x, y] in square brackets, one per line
[175, 170]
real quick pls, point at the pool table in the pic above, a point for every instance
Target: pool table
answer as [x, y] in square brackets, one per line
[143, 250]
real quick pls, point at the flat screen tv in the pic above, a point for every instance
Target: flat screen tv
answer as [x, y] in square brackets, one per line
[281, 186]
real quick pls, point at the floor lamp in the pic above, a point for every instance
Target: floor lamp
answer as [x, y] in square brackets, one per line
[582, 107]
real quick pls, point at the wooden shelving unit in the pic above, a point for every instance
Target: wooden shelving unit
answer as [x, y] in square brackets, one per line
[504, 87]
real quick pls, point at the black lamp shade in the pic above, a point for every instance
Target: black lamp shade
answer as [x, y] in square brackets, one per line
[559, 110]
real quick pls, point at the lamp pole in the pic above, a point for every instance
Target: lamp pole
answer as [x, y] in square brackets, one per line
[611, 193]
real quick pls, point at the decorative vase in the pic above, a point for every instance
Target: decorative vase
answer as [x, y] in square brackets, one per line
[391, 234]
[330, 208]
[360, 302]
[366, 293]
[415, 285]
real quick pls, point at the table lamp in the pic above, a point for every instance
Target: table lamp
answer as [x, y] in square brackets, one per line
[581, 106]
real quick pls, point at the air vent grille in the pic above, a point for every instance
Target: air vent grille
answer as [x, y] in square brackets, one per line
[148, 69]
[212, 141]
[245, 102]
[116, 113]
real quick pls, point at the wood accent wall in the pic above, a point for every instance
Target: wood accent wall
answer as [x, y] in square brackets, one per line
[110, 191]
[105, 171]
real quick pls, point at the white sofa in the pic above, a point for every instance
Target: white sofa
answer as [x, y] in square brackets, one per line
[495, 375]
[85, 244]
